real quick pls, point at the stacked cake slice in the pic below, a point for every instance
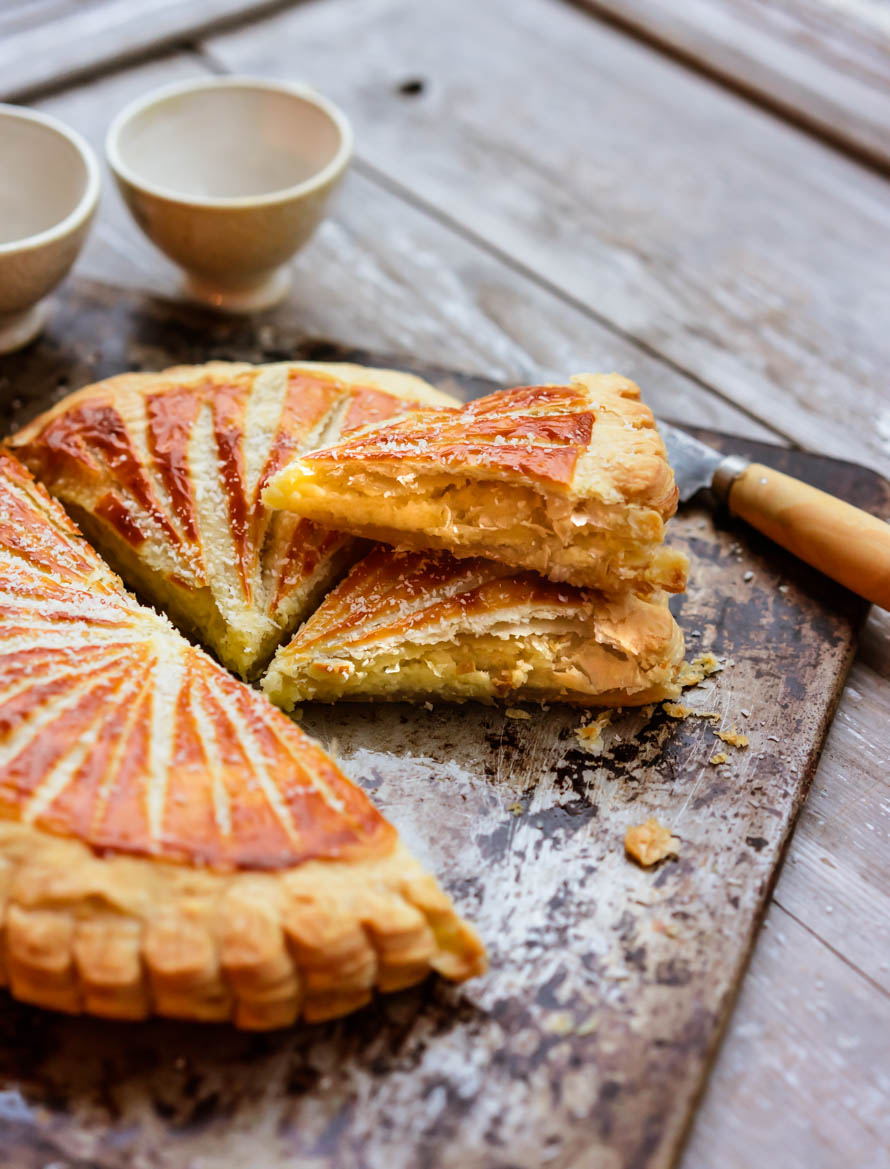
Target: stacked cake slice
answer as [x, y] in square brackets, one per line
[529, 559]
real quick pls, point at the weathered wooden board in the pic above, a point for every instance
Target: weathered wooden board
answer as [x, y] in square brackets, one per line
[45, 43]
[588, 1042]
[823, 62]
[707, 229]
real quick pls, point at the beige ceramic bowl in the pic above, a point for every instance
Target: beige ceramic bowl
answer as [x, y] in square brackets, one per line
[229, 177]
[49, 187]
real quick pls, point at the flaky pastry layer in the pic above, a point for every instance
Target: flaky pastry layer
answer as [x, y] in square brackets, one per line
[407, 625]
[569, 481]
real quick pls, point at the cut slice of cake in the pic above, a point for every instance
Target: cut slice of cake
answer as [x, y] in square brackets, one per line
[417, 625]
[571, 481]
[169, 842]
[165, 471]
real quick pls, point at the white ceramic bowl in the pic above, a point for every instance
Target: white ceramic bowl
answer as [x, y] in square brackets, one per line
[49, 187]
[229, 177]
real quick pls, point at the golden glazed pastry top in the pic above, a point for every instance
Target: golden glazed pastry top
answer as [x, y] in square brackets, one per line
[166, 471]
[169, 842]
[117, 731]
[571, 481]
[591, 437]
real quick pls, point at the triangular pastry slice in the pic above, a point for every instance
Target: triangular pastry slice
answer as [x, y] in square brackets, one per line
[571, 481]
[169, 842]
[164, 473]
[415, 625]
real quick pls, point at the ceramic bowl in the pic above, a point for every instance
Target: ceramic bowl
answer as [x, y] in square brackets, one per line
[229, 177]
[49, 188]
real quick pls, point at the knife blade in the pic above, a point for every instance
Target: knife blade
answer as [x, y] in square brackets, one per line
[847, 544]
[698, 466]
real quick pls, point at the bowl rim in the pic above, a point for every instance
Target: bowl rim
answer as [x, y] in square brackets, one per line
[84, 207]
[165, 93]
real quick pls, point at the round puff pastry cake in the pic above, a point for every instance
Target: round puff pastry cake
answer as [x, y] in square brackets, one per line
[164, 472]
[413, 625]
[571, 481]
[169, 842]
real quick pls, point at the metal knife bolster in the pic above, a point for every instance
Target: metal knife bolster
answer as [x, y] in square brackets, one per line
[726, 474]
[698, 466]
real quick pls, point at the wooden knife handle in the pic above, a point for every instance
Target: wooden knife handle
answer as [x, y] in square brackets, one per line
[845, 543]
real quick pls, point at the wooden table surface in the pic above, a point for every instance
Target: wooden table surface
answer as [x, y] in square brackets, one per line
[695, 195]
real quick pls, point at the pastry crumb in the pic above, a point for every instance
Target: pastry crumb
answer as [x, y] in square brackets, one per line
[589, 1025]
[650, 842]
[733, 737]
[694, 672]
[664, 927]
[516, 712]
[590, 736]
[708, 662]
[720, 757]
[676, 710]
[561, 1023]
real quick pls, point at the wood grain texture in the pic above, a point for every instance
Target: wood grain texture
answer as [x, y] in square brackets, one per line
[776, 1098]
[823, 62]
[835, 877]
[588, 1041]
[50, 42]
[701, 226]
[841, 541]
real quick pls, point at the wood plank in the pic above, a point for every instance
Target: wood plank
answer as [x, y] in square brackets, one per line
[823, 62]
[389, 277]
[702, 226]
[800, 1081]
[54, 42]
[848, 815]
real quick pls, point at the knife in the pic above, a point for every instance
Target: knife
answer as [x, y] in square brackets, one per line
[849, 545]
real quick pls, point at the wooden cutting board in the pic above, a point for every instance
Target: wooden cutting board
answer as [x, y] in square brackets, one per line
[590, 1039]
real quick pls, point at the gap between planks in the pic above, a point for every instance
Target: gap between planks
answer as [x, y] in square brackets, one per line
[142, 39]
[837, 953]
[654, 37]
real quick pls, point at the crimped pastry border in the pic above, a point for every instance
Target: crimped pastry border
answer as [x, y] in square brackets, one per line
[127, 938]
